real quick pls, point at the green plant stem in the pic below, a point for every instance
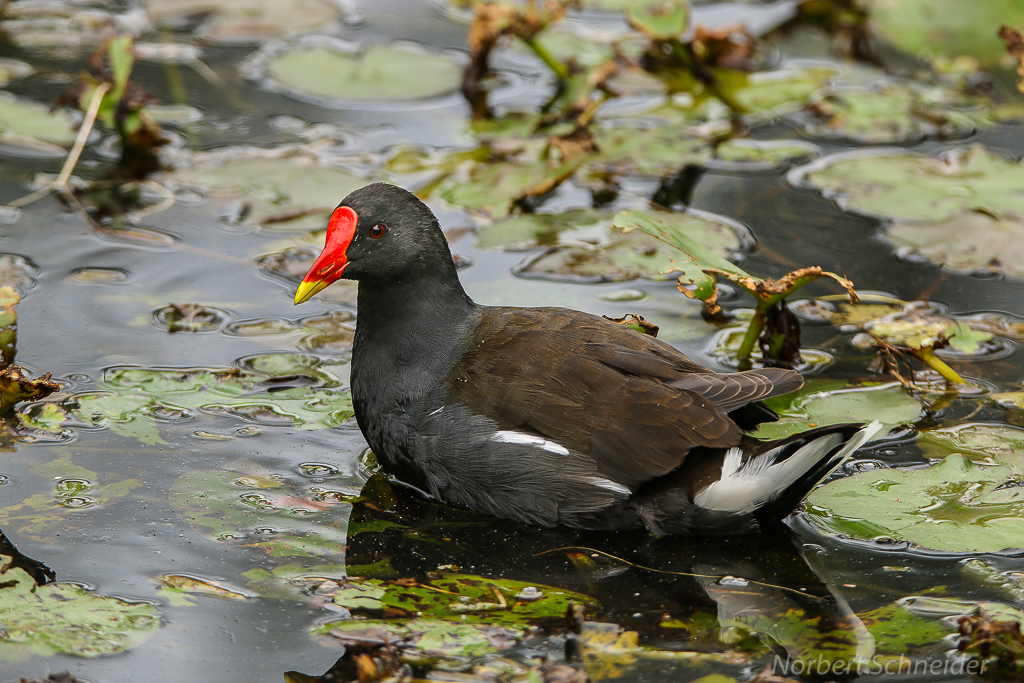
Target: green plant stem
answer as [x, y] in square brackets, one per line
[754, 328]
[560, 70]
[927, 355]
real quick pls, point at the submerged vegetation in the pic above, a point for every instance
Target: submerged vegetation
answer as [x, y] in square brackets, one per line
[699, 174]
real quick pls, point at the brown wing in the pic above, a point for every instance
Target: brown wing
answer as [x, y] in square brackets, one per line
[598, 389]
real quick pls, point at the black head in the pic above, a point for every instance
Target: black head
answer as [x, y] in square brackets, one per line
[380, 234]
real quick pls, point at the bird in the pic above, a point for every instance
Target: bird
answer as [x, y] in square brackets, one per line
[550, 416]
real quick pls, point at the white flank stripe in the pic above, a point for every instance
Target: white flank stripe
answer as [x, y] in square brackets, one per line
[609, 485]
[507, 436]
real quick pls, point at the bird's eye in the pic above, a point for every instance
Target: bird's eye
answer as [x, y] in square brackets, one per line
[377, 231]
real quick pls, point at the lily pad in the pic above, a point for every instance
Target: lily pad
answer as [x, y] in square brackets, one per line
[338, 73]
[827, 402]
[278, 192]
[657, 152]
[30, 128]
[430, 637]
[462, 598]
[981, 443]
[954, 506]
[282, 389]
[246, 21]
[44, 516]
[929, 27]
[262, 509]
[66, 618]
[889, 113]
[958, 208]
[617, 256]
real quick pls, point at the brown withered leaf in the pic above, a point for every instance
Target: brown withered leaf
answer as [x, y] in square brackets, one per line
[728, 47]
[16, 386]
[997, 643]
[555, 672]
[768, 287]
[1015, 46]
[636, 322]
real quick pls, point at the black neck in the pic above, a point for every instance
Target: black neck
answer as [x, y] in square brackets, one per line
[418, 318]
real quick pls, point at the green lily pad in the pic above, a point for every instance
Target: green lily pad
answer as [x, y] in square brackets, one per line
[959, 209]
[491, 187]
[914, 187]
[618, 256]
[461, 597]
[246, 21]
[31, 128]
[929, 27]
[886, 114]
[76, 491]
[662, 20]
[761, 155]
[246, 502]
[692, 258]
[428, 636]
[827, 402]
[658, 151]
[394, 72]
[981, 443]
[289, 192]
[66, 618]
[134, 400]
[955, 506]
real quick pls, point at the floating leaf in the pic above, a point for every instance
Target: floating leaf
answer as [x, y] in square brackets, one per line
[620, 257]
[31, 128]
[66, 618]
[249, 503]
[827, 402]
[954, 506]
[380, 72]
[662, 20]
[885, 114]
[246, 21]
[927, 27]
[961, 209]
[981, 443]
[293, 192]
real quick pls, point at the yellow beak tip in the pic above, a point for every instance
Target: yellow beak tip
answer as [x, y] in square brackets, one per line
[307, 288]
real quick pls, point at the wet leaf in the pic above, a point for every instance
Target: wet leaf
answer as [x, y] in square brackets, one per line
[636, 323]
[293, 192]
[275, 390]
[920, 27]
[66, 618]
[981, 443]
[1008, 585]
[655, 152]
[258, 508]
[31, 128]
[428, 636]
[380, 72]
[246, 21]
[954, 505]
[959, 209]
[662, 20]
[181, 584]
[622, 257]
[888, 113]
[16, 386]
[827, 402]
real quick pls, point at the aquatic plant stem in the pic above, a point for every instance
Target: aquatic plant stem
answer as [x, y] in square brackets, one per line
[560, 70]
[927, 355]
[83, 135]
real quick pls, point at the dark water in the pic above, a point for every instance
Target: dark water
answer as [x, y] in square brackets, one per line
[78, 330]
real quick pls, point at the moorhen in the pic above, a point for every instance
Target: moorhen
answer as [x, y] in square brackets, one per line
[547, 415]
